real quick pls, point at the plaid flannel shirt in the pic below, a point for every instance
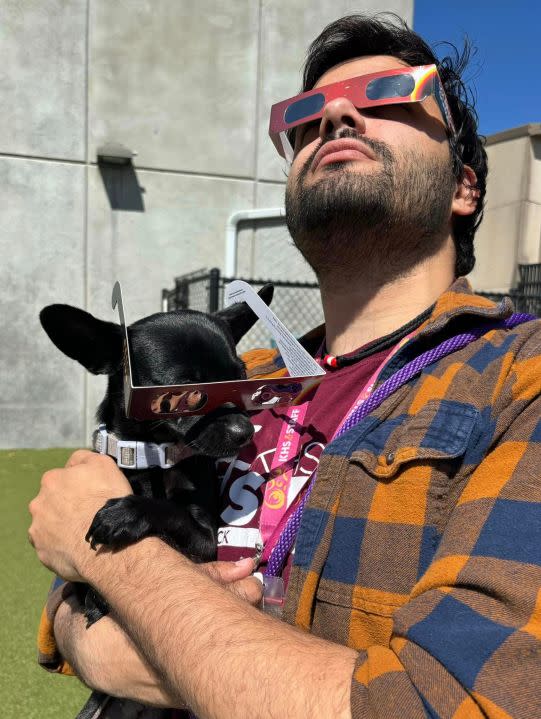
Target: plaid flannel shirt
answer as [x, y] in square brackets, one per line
[420, 546]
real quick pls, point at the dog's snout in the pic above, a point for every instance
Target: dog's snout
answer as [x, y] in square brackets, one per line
[221, 433]
[241, 431]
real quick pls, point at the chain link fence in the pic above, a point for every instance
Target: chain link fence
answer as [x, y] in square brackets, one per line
[297, 304]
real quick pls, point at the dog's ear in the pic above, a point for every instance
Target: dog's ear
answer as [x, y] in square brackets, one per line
[96, 344]
[240, 317]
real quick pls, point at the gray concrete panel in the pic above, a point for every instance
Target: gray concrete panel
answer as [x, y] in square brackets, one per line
[176, 81]
[509, 165]
[42, 78]
[265, 249]
[496, 246]
[274, 257]
[42, 249]
[529, 239]
[96, 386]
[294, 24]
[182, 229]
[245, 250]
[270, 196]
[533, 192]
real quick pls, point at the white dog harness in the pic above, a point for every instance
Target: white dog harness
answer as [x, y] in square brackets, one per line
[138, 455]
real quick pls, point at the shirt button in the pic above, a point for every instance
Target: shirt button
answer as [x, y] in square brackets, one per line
[390, 458]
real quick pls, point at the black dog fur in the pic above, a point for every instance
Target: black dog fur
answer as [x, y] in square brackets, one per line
[179, 504]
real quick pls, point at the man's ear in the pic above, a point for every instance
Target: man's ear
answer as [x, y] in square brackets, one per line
[466, 195]
[240, 317]
[96, 344]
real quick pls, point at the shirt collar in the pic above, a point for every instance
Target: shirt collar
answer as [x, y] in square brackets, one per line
[460, 300]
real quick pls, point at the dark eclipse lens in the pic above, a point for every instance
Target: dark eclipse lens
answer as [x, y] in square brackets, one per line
[304, 108]
[383, 88]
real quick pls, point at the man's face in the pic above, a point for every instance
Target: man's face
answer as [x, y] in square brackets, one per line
[374, 174]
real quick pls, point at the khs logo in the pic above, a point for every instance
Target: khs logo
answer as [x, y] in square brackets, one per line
[241, 483]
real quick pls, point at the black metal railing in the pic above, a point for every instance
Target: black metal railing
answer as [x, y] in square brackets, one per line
[297, 304]
[526, 296]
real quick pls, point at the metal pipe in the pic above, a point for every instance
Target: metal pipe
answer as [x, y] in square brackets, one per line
[231, 232]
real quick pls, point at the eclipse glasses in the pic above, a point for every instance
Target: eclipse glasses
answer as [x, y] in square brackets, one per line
[391, 87]
[174, 401]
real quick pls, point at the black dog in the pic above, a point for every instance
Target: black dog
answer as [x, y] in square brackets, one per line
[179, 504]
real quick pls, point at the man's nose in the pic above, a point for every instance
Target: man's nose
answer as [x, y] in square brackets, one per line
[340, 113]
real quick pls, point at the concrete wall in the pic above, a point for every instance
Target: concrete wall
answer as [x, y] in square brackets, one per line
[510, 233]
[188, 85]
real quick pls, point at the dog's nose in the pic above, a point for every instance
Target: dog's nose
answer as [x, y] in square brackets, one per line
[241, 431]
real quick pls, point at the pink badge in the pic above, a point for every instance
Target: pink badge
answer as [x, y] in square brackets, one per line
[277, 500]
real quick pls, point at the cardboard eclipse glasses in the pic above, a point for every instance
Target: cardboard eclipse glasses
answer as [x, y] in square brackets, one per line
[391, 87]
[174, 401]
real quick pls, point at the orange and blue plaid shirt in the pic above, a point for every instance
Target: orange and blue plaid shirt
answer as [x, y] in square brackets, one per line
[420, 546]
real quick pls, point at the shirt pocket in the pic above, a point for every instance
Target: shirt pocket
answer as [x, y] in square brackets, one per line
[441, 430]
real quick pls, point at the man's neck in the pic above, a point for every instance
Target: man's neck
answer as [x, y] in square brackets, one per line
[361, 312]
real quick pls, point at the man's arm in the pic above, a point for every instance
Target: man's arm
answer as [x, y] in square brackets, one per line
[224, 656]
[105, 658]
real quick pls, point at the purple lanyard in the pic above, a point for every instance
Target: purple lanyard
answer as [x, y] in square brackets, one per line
[287, 538]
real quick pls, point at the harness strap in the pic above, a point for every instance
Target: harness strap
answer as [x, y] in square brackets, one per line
[138, 455]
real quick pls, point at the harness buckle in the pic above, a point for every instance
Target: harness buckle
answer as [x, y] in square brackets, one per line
[166, 454]
[99, 439]
[126, 454]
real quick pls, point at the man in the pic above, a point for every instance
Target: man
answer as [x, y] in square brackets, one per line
[415, 585]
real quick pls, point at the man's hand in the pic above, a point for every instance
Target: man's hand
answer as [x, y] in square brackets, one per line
[236, 576]
[65, 507]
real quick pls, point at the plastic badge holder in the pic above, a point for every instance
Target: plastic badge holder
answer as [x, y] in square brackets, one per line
[172, 401]
[273, 595]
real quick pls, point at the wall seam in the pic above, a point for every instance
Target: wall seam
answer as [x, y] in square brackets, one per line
[506, 204]
[258, 93]
[37, 158]
[85, 212]
[157, 170]
[259, 78]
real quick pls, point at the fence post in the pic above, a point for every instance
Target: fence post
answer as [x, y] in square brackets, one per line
[165, 300]
[182, 294]
[214, 289]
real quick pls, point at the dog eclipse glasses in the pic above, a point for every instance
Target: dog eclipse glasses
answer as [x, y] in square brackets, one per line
[172, 401]
[391, 87]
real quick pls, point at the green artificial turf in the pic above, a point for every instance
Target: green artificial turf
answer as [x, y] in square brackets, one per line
[26, 690]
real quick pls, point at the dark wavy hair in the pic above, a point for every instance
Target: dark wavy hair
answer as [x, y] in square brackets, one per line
[387, 34]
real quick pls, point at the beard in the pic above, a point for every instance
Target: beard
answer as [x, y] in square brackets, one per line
[384, 221]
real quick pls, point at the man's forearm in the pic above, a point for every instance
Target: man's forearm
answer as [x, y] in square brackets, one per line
[224, 656]
[104, 658]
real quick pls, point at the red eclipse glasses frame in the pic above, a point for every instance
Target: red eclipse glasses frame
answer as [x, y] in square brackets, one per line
[391, 87]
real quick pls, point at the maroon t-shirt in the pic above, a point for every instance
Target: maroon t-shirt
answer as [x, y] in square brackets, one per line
[243, 478]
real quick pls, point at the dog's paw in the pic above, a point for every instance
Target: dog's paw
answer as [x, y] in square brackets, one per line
[95, 607]
[118, 523]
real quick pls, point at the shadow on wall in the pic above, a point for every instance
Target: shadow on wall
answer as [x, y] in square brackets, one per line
[122, 186]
